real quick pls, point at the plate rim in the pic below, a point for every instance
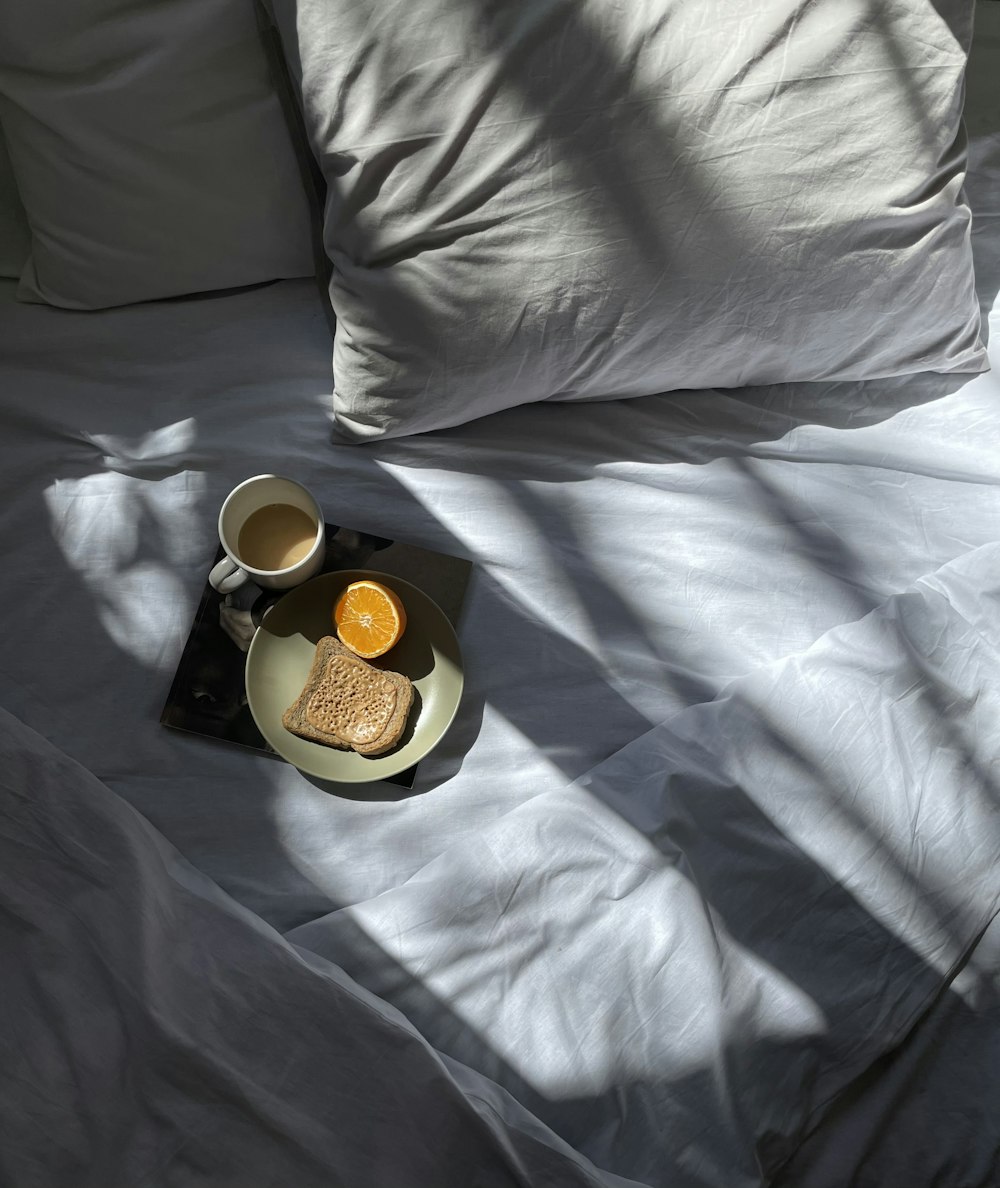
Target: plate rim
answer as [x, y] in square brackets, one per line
[390, 770]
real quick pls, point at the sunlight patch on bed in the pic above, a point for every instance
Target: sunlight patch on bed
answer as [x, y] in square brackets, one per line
[477, 510]
[124, 536]
[301, 823]
[149, 454]
[564, 943]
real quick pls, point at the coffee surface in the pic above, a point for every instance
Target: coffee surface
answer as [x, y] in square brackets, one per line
[276, 536]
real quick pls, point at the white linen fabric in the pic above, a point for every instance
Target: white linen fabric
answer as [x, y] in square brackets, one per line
[700, 886]
[744, 547]
[150, 150]
[225, 1057]
[716, 898]
[13, 224]
[581, 200]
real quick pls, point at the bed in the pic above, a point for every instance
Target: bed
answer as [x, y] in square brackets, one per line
[701, 886]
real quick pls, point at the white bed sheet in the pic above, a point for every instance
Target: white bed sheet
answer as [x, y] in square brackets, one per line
[154, 1033]
[631, 558]
[637, 564]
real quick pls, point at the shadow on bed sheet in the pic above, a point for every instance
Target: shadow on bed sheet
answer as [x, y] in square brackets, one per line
[965, 1145]
[65, 606]
[673, 427]
[873, 1070]
[680, 1108]
[574, 741]
[923, 1113]
[262, 873]
[711, 1118]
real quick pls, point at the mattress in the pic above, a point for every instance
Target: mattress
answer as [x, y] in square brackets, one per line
[699, 885]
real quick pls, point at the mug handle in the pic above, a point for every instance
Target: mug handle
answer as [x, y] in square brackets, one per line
[226, 576]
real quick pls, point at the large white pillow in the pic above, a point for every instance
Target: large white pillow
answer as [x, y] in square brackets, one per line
[581, 199]
[150, 150]
[13, 225]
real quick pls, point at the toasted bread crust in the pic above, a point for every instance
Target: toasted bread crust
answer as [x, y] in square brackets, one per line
[349, 704]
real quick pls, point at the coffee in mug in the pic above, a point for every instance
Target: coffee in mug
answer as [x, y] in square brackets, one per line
[272, 531]
[276, 536]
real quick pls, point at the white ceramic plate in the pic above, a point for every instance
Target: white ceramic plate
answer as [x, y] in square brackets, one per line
[281, 655]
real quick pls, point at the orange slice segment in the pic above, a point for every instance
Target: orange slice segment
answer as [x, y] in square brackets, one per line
[369, 618]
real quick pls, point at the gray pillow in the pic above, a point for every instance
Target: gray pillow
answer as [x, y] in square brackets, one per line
[13, 225]
[150, 150]
[583, 199]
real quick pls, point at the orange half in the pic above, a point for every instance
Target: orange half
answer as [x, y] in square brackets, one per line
[369, 618]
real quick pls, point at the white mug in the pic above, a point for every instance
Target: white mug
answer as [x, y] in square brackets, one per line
[281, 550]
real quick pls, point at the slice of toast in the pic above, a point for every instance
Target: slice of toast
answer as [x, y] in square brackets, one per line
[349, 704]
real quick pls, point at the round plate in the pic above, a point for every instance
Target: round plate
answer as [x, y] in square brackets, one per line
[282, 652]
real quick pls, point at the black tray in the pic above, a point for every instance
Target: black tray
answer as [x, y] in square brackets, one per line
[208, 693]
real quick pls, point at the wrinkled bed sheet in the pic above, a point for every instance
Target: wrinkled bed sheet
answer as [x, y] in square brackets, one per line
[700, 883]
[202, 1047]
